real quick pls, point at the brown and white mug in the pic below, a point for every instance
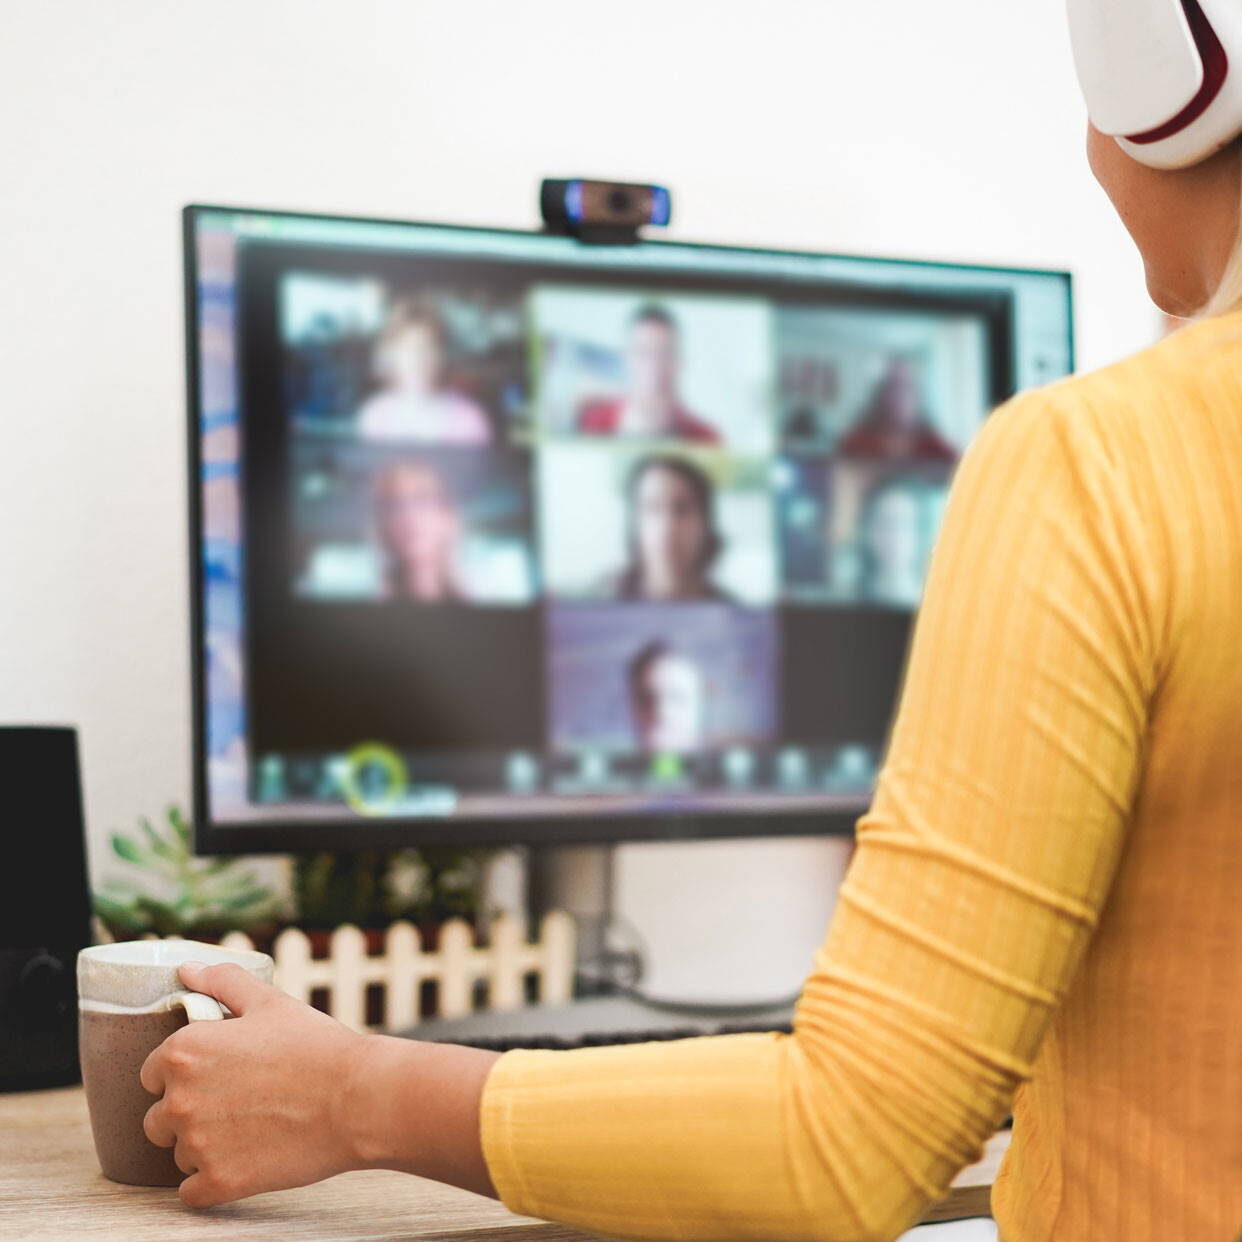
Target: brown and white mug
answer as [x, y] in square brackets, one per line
[129, 1001]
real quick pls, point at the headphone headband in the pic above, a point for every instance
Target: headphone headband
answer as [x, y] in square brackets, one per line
[1163, 77]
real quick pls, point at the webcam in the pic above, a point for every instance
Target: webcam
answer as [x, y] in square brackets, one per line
[603, 212]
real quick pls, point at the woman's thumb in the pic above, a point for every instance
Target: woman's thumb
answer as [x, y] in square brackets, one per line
[227, 982]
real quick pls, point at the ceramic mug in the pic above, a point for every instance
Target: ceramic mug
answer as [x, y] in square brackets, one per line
[129, 1001]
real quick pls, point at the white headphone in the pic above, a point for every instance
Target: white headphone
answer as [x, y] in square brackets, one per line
[1162, 77]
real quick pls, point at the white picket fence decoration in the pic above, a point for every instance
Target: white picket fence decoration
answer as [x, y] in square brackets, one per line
[456, 964]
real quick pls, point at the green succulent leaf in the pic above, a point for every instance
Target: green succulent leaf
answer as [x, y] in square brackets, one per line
[119, 890]
[181, 826]
[120, 914]
[260, 902]
[161, 847]
[129, 850]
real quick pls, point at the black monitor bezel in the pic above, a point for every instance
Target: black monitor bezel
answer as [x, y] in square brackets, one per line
[382, 833]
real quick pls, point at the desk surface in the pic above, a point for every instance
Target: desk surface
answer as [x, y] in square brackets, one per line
[51, 1189]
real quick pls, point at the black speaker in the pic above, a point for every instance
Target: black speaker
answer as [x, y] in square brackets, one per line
[45, 911]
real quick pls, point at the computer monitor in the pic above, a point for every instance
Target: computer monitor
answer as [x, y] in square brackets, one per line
[499, 537]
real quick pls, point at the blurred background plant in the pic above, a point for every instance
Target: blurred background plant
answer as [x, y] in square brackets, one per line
[331, 888]
[178, 894]
[371, 889]
[435, 883]
[169, 891]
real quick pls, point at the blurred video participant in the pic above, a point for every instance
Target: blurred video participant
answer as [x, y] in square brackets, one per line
[420, 533]
[414, 402]
[894, 425]
[893, 541]
[651, 404]
[668, 700]
[717, 688]
[672, 537]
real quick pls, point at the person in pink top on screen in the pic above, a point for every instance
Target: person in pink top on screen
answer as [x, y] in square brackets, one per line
[651, 404]
[414, 402]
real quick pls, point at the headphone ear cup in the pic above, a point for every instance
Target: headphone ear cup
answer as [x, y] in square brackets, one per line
[1157, 75]
[1136, 60]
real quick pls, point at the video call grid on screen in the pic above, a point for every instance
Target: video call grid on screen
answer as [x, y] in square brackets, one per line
[496, 529]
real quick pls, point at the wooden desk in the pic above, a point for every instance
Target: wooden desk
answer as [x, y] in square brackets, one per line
[51, 1190]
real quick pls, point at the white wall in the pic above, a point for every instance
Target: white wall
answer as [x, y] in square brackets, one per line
[948, 130]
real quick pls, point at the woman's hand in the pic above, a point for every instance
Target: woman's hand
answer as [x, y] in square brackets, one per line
[252, 1103]
[282, 1095]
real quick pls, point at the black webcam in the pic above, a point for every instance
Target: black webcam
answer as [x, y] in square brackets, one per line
[603, 212]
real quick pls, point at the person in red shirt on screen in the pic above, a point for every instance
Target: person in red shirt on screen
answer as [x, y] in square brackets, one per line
[651, 404]
[894, 424]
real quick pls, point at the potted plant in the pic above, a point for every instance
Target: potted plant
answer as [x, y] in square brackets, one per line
[331, 888]
[182, 895]
[431, 885]
[372, 889]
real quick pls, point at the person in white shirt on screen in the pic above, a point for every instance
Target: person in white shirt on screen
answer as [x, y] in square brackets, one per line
[893, 542]
[414, 402]
[673, 541]
[668, 699]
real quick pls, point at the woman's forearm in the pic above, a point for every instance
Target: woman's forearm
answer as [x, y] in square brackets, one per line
[414, 1107]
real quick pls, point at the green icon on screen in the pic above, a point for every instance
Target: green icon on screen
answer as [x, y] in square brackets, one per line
[373, 779]
[667, 766]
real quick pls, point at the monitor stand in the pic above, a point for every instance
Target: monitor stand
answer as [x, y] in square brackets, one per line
[579, 880]
[724, 924]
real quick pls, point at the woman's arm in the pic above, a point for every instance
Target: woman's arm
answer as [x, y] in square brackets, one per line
[979, 876]
[414, 1107]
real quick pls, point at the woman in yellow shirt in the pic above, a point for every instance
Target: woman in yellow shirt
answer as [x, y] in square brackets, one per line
[1043, 913]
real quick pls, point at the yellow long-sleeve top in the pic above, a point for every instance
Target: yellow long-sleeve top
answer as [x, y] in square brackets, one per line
[1046, 898]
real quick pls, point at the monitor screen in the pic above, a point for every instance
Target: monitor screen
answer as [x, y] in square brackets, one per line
[501, 537]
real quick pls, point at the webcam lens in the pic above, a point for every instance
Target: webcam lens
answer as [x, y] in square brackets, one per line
[619, 200]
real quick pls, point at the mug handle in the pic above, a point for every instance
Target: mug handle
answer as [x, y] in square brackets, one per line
[198, 1008]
